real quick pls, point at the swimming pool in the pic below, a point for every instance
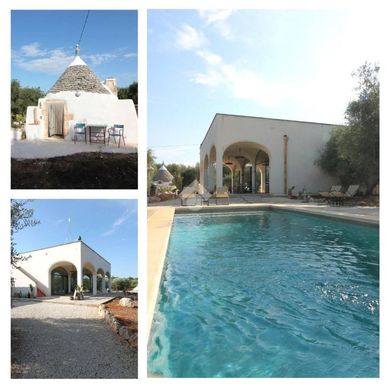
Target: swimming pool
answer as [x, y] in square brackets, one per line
[267, 294]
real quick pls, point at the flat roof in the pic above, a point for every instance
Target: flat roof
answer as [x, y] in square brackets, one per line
[262, 117]
[68, 243]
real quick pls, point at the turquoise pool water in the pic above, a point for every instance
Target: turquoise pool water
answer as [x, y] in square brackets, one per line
[267, 294]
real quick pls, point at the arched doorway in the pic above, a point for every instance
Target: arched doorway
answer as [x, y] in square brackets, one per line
[89, 278]
[59, 281]
[249, 166]
[63, 278]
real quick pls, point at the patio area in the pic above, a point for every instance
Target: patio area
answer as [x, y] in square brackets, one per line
[54, 147]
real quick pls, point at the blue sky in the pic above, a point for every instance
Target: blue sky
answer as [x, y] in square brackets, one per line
[43, 44]
[107, 226]
[289, 64]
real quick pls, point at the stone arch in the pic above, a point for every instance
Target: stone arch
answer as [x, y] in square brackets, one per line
[89, 278]
[62, 278]
[249, 163]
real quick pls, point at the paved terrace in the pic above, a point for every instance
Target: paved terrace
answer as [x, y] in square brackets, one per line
[54, 147]
[160, 218]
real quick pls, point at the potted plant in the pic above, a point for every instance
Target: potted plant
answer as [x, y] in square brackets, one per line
[78, 293]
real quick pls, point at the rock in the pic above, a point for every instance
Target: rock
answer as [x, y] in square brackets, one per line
[124, 332]
[126, 302]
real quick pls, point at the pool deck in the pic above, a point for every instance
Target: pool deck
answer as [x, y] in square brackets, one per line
[160, 220]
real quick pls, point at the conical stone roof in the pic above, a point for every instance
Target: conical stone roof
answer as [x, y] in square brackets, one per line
[78, 77]
[163, 175]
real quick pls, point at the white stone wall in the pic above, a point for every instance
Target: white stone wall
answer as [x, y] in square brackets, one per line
[305, 142]
[22, 283]
[92, 108]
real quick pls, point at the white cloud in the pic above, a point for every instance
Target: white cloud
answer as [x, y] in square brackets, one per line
[215, 15]
[210, 57]
[98, 59]
[219, 20]
[189, 38]
[31, 50]
[33, 58]
[119, 222]
[54, 63]
[130, 55]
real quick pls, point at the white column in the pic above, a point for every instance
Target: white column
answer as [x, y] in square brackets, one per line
[262, 172]
[94, 284]
[219, 169]
[232, 178]
[69, 282]
[201, 173]
[104, 283]
[80, 276]
[253, 176]
[242, 167]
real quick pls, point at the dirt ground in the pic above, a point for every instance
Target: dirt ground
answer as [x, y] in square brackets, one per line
[78, 171]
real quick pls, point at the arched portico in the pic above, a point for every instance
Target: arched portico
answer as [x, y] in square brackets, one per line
[249, 166]
[89, 278]
[62, 278]
[100, 280]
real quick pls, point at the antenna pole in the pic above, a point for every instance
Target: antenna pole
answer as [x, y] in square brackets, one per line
[82, 31]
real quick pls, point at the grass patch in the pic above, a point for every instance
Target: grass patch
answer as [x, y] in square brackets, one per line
[76, 171]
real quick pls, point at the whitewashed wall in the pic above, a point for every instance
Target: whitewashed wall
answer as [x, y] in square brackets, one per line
[306, 139]
[40, 263]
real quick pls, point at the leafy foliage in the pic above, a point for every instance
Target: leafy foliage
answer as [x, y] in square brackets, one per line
[21, 217]
[183, 175]
[122, 284]
[21, 98]
[130, 92]
[352, 152]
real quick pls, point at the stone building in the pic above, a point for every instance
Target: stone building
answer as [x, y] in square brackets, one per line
[79, 96]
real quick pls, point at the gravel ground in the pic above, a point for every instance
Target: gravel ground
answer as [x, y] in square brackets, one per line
[50, 340]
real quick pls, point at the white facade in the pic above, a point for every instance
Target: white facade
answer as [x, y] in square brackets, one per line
[73, 261]
[283, 152]
[89, 108]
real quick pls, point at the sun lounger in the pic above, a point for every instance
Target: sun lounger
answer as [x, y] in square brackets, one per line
[222, 195]
[189, 196]
[333, 189]
[339, 197]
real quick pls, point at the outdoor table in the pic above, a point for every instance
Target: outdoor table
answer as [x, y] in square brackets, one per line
[97, 133]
